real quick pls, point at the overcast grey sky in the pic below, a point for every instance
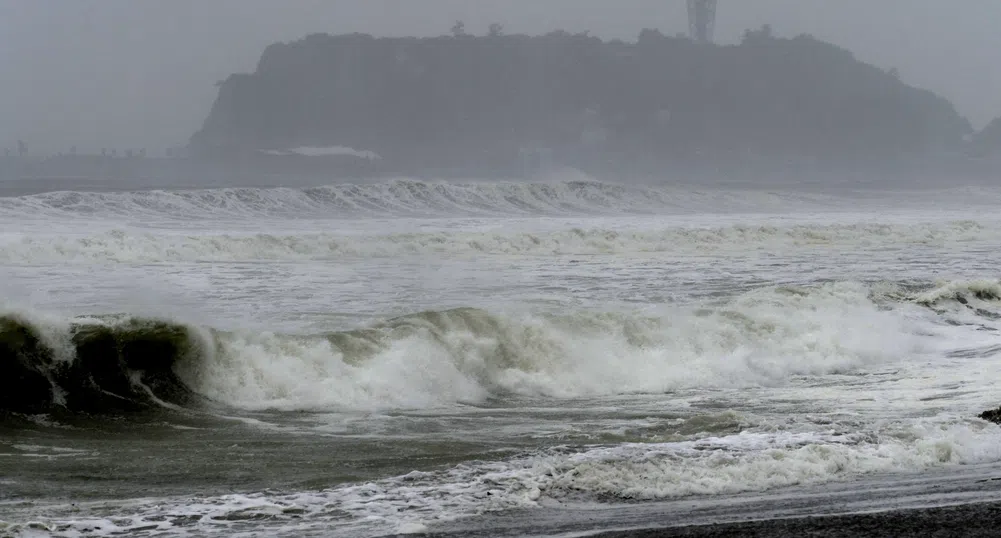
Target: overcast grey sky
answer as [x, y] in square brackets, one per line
[141, 73]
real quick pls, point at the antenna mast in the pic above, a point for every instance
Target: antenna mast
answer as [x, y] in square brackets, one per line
[702, 20]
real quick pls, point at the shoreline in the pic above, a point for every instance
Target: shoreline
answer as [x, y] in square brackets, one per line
[972, 519]
[959, 501]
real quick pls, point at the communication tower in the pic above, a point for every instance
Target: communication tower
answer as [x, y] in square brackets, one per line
[702, 20]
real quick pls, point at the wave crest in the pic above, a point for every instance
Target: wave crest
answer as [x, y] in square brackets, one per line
[762, 338]
[138, 247]
[963, 292]
[96, 366]
[405, 197]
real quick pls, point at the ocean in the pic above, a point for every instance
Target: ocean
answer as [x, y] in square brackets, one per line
[490, 358]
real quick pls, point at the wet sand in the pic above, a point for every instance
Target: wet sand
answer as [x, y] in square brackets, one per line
[961, 501]
[980, 519]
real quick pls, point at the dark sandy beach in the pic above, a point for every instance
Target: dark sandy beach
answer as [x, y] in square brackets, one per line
[975, 519]
[960, 502]
[980, 519]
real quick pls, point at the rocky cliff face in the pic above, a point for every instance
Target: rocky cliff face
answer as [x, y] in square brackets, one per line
[484, 101]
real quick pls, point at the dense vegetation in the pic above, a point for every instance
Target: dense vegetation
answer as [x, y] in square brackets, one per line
[461, 99]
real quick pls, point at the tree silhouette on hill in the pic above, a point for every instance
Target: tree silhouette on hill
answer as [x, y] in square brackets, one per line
[454, 99]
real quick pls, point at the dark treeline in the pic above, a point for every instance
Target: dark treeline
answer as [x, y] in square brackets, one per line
[459, 100]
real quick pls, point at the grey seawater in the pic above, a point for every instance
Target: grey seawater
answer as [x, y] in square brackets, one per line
[493, 358]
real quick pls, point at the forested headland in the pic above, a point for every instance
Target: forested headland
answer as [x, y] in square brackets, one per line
[463, 101]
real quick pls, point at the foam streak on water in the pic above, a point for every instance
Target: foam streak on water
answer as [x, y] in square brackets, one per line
[397, 357]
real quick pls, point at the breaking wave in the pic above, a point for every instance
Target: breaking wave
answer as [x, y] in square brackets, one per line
[962, 292]
[146, 247]
[767, 337]
[92, 366]
[761, 338]
[407, 197]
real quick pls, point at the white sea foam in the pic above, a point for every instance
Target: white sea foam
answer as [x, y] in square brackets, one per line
[483, 198]
[708, 466]
[762, 338]
[830, 381]
[419, 501]
[962, 290]
[137, 246]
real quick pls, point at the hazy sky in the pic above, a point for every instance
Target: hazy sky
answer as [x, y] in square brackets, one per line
[141, 73]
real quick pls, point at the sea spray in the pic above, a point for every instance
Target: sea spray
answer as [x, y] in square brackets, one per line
[760, 338]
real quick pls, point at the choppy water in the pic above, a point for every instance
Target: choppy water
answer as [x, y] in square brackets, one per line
[360, 360]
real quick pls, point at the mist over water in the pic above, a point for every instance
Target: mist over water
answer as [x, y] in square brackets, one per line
[482, 282]
[504, 346]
